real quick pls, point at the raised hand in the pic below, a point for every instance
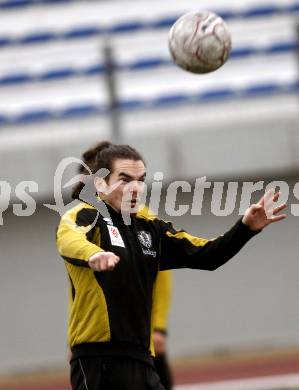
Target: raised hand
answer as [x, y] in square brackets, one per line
[261, 214]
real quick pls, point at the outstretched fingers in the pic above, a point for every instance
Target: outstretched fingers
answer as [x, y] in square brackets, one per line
[269, 197]
[276, 210]
[276, 196]
[277, 218]
[264, 212]
[279, 208]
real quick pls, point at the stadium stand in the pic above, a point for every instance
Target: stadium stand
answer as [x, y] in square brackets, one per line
[57, 71]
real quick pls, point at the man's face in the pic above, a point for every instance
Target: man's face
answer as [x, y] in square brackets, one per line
[127, 177]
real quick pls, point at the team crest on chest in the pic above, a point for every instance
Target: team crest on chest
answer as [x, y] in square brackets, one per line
[145, 239]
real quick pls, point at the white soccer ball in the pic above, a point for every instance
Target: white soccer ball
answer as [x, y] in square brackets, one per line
[200, 42]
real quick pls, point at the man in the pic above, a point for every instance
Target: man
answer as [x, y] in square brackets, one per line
[109, 329]
[162, 291]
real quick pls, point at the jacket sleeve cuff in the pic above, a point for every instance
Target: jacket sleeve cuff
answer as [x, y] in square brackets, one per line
[245, 230]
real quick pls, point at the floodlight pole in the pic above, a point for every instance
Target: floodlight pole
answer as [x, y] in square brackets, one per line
[113, 106]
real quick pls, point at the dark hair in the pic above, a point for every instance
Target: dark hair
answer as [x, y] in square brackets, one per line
[103, 155]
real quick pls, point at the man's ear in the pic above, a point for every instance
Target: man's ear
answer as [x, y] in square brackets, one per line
[100, 185]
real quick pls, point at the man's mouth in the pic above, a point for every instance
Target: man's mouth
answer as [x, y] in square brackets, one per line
[133, 202]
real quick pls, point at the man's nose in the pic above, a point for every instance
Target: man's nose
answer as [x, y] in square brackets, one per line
[135, 186]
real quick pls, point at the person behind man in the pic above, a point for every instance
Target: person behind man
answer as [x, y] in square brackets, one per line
[160, 313]
[109, 326]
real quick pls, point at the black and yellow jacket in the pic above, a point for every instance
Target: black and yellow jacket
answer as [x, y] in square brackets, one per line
[110, 313]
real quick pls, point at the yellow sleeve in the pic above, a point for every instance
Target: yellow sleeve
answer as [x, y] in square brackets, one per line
[75, 233]
[162, 300]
